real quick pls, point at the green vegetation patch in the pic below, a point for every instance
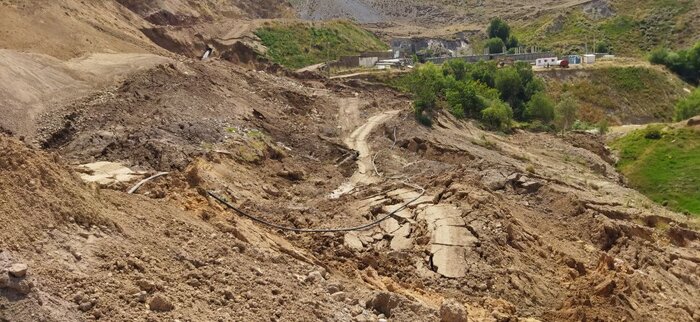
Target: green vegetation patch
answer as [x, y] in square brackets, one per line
[636, 27]
[621, 94]
[663, 164]
[301, 44]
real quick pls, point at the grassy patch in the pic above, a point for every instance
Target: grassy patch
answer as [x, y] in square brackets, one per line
[620, 94]
[637, 27]
[666, 169]
[296, 45]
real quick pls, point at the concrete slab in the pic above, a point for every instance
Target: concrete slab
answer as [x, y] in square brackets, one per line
[452, 235]
[401, 243]
[352, 241]
[450, 261]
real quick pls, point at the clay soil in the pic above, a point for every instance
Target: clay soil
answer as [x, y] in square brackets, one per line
[479, 225]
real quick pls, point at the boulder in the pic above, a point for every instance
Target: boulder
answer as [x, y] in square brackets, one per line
[18, 270]
[452, 310]
[384, 302]
[160, 303]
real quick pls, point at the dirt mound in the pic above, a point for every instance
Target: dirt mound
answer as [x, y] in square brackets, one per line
[33, 84]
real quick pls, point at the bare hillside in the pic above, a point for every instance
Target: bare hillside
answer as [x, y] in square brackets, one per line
[139, 182]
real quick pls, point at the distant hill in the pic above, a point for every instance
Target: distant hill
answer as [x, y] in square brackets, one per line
[624, 26]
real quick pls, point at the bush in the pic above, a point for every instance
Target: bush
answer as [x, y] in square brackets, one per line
[498, 116]
[565, 112]
[509, 83]
[688, 107]
[463, 100]
[652, 133]
[540, 108]
[685, 63]
[498, 29]
[602, 47]
[495, 45]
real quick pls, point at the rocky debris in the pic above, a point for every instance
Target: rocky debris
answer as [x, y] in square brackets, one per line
[390, 225]
[384, 302]
[450, 240]
[20, 285]
[452, 310]
[160, 303]
[352, 241]
[494, 180]
[338, 296]
[292, 175]
[314, 277]
[401, 243]
[107, 174]
[18, 270]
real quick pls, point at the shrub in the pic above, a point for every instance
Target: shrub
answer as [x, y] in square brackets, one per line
[603, 126]
[457, 68]
[463, 100]
[495, 45]
[652, 133]
[685, 63]
[498, 116]
[688, 107]
[565, 112]
[540, 108]
[498, 29]
[509, 83]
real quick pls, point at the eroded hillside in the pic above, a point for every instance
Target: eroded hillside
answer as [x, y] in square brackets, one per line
[412, 223]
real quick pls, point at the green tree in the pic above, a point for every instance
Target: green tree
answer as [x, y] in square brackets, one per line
[565, 112]
[463, 99]
[498, 29]
[495, 45]
[602, 47]
[512, 42]
[457, 68]
[484, 72]
[498, 116]
[426, 82]
[688, 107]
[509, 83]
[541, 108]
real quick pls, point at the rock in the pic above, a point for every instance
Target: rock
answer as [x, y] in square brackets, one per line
[292, 175]
[352, 241]
[141, 296]
[531, 186]
[494, 180]
[390, 225]
[404, 231]
[401, 243]
[334, 288]
[384, 302]
[17, 284]
[314, 277]
[146, 285]
[452, 310]
[694, 121]
[605, 288]
[160, 304]
[18, 270]
[338, 296]
[271, 191]
[85, 306]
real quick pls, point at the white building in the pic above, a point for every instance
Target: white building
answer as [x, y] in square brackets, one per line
[589, 59]
[544, 62]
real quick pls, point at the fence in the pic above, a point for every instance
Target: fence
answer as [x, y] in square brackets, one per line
[528, 57]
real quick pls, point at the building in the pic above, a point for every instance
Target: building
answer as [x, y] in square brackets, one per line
[547, 61]
[589, 59]
[574, 59]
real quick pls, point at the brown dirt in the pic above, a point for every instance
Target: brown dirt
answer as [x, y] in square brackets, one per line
[535, 226]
